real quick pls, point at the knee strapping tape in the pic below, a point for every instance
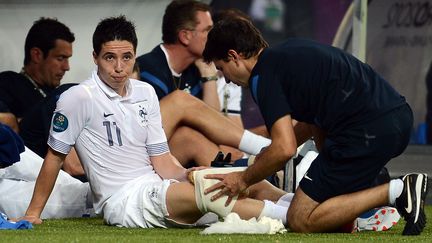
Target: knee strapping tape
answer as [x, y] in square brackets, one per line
[203, 201]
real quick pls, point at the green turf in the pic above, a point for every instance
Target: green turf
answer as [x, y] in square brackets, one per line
[94, 230]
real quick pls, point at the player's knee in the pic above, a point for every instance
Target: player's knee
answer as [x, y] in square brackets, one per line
[184, 100]
[188, 134]
[203, 201]
[299, 221]
[178, 98]
[177, 94]
[297, 224]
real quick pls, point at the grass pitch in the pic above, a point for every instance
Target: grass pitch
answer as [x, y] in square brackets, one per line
[94, 230]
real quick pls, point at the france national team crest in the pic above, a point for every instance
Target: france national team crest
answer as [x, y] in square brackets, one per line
[60, 122]
[142, 114]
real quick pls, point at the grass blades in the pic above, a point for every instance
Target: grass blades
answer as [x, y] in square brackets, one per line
[94, 230]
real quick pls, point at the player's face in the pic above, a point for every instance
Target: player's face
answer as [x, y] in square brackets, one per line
[200, 32]
[54, 66]
[115, 64]
[233, 72]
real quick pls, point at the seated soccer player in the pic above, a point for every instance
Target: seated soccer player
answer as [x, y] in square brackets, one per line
[114, 123]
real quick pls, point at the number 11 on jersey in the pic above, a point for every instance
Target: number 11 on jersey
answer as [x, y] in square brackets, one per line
[107, 125]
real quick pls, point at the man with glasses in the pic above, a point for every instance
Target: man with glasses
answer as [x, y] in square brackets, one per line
[176, 64]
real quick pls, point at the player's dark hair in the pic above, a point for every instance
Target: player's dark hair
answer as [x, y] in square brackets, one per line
[112, 29]
[43, 35]
[180, 15]
[222, 14]
[233, 33]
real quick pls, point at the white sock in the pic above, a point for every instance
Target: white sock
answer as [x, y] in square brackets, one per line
[285, 200]
[274, 211]
[252, 143]
[395, 190]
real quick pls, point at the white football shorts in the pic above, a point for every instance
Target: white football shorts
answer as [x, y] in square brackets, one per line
[142, 204]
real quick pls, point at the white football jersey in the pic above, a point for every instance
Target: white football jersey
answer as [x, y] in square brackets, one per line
[113, 135]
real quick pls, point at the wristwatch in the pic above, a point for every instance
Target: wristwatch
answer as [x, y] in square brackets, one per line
[209, 78]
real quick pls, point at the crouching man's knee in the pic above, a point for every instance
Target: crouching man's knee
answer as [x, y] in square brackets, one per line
[203, 201]
[299, 214]
[298, 223]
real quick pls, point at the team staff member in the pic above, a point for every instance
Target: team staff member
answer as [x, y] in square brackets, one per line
[116, 129]
[176, 64]
[25, 96]
[361, 120]
[48, 47]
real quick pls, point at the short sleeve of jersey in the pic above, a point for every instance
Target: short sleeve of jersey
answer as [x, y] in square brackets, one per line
[267, 90]
[156, 140]
[70, 117]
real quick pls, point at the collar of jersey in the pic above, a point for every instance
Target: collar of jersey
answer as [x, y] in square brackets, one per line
[173, 73]
[109, 91]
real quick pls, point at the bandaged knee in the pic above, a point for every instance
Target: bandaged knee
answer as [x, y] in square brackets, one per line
[203, 201]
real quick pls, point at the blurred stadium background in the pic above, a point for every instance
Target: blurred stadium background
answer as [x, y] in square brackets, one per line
[393, 36]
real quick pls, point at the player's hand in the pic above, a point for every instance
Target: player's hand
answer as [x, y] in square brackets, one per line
[230, 184]
[189, 175]
[31, 219]
[206, 69]
[189, 170]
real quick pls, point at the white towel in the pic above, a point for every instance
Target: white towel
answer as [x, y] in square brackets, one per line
[233, 224]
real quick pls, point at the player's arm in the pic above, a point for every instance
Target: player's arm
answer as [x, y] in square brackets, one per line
[168, 167]
[44, 185]
[9, 119]
[72, 164]
[6, 116]
[272, 159]
[209, 76]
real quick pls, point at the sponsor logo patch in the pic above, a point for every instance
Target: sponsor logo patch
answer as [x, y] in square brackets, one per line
[60, 122]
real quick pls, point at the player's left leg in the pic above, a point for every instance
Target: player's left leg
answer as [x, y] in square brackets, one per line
[185, 207]
[180, 202]
[264, 190]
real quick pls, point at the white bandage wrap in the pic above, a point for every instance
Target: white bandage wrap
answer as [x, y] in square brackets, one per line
[204, 202]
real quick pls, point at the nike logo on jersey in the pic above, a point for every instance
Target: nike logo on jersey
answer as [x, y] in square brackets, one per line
[346, 94]
[107, 115]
